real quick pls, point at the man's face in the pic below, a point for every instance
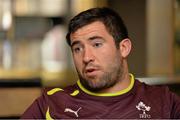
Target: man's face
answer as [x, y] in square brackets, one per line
[97, 60]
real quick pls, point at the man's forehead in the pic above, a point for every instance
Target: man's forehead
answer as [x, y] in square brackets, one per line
[90, 29]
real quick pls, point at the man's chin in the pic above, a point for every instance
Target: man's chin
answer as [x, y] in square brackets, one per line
[94, 88]
[93, 85]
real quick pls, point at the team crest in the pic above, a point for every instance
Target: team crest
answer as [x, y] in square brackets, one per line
[142, 107]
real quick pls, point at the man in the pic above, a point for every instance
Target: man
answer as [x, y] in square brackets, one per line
[105, 90]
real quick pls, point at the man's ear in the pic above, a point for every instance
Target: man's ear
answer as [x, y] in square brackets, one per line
[125, 47]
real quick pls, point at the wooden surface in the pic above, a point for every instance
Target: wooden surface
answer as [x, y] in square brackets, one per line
[14, 101]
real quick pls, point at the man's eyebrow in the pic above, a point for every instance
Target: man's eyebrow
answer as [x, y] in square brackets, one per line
[95, 37]
[90, 39]
[74, 43]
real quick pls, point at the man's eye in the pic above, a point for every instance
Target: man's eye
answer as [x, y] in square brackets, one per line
[77, 49]
[97, 44]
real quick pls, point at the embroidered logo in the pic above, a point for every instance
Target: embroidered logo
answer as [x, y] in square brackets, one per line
[142, 107]
[72, 111]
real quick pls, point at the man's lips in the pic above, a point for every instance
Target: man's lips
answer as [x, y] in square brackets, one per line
[91, 71]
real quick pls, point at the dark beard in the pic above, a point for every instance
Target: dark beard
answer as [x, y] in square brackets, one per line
[108, 79]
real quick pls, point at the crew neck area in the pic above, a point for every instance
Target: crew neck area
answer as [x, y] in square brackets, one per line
[121, 92]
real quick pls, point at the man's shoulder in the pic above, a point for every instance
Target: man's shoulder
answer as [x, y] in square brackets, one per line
[159, 96]
[152, 89]
[54, 91]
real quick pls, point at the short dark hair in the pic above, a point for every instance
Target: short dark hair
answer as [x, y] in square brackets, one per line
[112, 21]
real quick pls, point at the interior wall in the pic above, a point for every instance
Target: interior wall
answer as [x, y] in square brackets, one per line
[160, 37]
[134, 16]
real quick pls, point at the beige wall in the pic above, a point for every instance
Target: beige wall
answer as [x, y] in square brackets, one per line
[160, 36]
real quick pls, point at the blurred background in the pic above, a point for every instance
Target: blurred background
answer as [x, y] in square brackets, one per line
[34, 53]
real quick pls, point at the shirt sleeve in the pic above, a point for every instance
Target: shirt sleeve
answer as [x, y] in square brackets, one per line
[175, 100]
[36, 110]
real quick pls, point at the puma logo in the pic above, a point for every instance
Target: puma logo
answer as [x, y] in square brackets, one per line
[72, 111]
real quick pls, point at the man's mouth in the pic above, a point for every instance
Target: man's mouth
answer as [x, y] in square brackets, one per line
[91, 71]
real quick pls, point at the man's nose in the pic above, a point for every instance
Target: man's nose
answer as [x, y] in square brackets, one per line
[88, 56]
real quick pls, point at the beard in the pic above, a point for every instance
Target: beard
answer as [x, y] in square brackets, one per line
[108, 79]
